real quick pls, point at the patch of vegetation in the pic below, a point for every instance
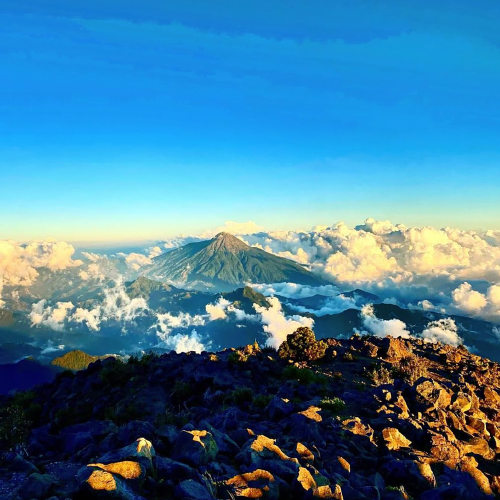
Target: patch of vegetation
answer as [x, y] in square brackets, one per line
[302, 345]
[303, 375]
[381, 376]
[123, 413]
[239, 396]
[143, 360]
[115, 373]
[333, 405]
[348, 356]
[262, 400]
[74, 360]
[411, 369]
[182, 392]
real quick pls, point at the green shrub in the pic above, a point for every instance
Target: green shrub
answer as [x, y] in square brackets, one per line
[182, 392]
[303, 375]
[262, 400]
[14, 426]
[239, 396]
[411, 368]
[115, 373]
[302, 346]
[381, 376]
[333, 405]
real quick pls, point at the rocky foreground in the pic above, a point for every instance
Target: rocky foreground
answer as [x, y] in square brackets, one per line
[371, 419]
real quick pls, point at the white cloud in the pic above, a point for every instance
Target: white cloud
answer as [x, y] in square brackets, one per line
[331, 305]
[442, 330]
[218, 310]
[92, 318]
[181, 342]
[277, 325]
[294, 290]
[167, 322]
[52, 317]
[19, 263]
[381, 327]
[474, 303]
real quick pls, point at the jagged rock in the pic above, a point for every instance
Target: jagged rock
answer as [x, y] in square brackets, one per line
[263, 447]
[443, 450]
[469, 465]
[416, 476]
[166, 468]
[394, 349]
[191, 490]
[394, 440]
[279, 408]
[19, 464]
[491, 397]
[344, 464]
[256, 484]
[305, 453]
[36, 486]
[355, 426]
[195, 447]
[432, 394]
[141, 451]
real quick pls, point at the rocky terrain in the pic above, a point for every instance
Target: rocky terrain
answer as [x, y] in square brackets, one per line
[363, 418]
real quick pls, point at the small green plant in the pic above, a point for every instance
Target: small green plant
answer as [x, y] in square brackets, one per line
[303, 375]
[14, 426]
[333, 405]
[262, 400]
[239, 396]
[381, 376]
[411, 369]
[182, 392]
[115, 373]
[302, 345]
[348, 356]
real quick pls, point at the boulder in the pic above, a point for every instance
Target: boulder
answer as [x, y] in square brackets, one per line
[195, 447]
[279, 408]
[36, 486]
[191, 490]
[394, 440]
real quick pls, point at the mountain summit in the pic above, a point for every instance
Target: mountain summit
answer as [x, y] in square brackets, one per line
[225, 263]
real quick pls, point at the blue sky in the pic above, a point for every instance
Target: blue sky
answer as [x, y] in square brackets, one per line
[132, 120]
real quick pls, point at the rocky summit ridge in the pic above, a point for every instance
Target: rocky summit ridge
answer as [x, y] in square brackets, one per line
[369, 418]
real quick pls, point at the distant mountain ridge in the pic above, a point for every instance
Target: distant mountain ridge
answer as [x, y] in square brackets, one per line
[225, 263]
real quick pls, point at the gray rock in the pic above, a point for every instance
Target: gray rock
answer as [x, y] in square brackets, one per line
[192, 490]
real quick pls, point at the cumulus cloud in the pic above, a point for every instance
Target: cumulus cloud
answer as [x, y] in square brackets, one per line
[19, 263]
[52, 317]
[381, 327]
[167, 322]
[409, 264]
[181, 342]
[331, 305]
[218, 310]
[92, 317]
[474, 303]
[116, 305]
[277, 325]
[294, 290]
[444, 331]
[137, 260]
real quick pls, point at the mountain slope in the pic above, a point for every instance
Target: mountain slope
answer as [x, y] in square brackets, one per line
[225, 263]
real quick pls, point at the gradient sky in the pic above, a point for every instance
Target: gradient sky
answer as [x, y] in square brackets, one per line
[123, 120]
